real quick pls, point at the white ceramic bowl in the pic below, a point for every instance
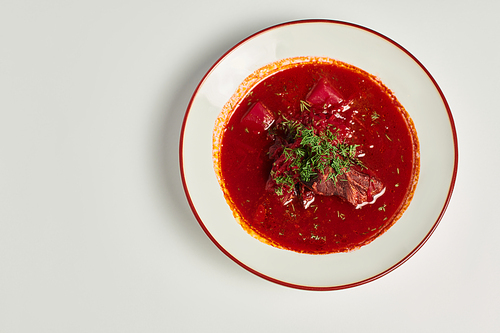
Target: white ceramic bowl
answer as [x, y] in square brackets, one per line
[364, 48]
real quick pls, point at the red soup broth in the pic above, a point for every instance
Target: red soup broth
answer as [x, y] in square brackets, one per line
[388, 147]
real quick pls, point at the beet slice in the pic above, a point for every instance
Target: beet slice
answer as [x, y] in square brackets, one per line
[258, 118]
[323, 93]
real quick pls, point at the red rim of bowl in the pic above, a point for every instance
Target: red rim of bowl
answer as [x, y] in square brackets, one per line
[345, 286]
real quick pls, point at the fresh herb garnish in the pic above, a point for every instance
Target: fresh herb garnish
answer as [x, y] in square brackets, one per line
[304, 106]
[309, 153]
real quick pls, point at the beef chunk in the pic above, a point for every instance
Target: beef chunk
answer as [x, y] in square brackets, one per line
[354, 186]
[277, 148]
[306, 195]
[286, 195]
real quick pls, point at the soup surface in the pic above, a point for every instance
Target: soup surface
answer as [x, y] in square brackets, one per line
[315, 156]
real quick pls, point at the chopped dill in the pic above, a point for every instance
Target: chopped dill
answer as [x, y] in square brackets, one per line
[304, 105]
[310, 153]
[375, 116]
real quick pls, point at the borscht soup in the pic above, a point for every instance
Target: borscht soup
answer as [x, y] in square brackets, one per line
[315, 156]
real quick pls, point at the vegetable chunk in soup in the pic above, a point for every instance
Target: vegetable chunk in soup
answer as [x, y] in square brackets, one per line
[315, 156]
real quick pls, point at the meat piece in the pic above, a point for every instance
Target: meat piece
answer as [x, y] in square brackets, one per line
[276, 149]
[287, 194]
[258, 118]
[323, 93]
[306, 195]
[354, 186]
